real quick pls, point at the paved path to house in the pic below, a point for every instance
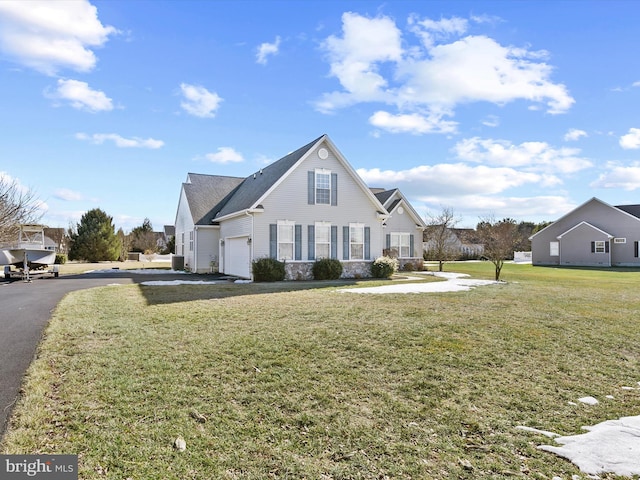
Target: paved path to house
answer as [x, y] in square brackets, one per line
[25, 309]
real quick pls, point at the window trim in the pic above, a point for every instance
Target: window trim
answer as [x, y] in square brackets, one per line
[289, 224]
[317, 227]
[599, 246]
[318, 174]
[360, 227]
[400, 246]
[554, 249]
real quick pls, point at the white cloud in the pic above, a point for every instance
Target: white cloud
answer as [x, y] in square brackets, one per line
[491, 121]
[354, 59]
[67, 195]
[431, 30]
[267, 49]
[619, 176]
[81, 96]
[372, 64]
[448, 180]
[574, 134]
[531, 156]
[631, 140]
[411, 123]
[543, 207]
[199, 101]
[50, 35]
[225, 155]
[477, 68]
[119, 141]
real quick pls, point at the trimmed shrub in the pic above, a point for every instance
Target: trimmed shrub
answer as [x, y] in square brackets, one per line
[267, 270]
[408, 267]
[384, 267]
[327, 269]
[61, 259]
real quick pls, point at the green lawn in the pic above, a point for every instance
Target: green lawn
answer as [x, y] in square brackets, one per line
[298, 380]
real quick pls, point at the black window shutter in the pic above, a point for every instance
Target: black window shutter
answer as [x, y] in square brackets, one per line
[345, 243]
[334, 241]
[298, 242]
[311, 234]
[273, 240]
[334, 189]
[367, 243]
[593, 247]
[311, 187]
[606, 246]
[411, 245]
[635, 249]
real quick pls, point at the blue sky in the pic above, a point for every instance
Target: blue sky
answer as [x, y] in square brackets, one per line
[493, 109]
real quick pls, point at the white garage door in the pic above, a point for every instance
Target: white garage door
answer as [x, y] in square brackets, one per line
[237, 253]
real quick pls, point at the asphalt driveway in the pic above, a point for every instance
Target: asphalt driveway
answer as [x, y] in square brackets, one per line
[25, 310]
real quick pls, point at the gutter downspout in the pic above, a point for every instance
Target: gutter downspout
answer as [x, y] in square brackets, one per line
[250, 213]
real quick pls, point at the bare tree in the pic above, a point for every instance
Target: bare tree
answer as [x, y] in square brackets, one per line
[442, 243]
[18, 205]
[499, 239]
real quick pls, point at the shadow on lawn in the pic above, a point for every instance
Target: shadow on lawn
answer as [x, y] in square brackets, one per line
[165, 294]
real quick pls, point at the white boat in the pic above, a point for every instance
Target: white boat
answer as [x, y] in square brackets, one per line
[29, 251]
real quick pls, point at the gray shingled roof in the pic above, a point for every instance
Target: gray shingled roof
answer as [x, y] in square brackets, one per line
[256, 185]
[213, 196]
[630, 209]
[206, 193]
[384, 196]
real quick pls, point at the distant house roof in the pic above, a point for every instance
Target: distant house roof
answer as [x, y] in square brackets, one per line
[630, 209]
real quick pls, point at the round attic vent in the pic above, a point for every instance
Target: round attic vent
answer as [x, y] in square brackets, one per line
[323, 154]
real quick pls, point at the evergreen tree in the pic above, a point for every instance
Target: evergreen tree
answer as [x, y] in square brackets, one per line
[95, 239]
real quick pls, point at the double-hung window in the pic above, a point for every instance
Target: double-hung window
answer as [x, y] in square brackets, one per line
[322, 239]
[356, 241]
[599, 247]
[286, 240]
[401, 243]
[323, 186]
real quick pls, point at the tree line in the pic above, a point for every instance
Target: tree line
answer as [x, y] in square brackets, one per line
[499, 238]
[94, 239]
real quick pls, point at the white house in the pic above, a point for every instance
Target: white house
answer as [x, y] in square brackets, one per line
[310, 204]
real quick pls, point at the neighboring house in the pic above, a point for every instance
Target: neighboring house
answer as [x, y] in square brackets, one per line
[462, 241]
[402, 229]
[594, 234]
[310, 204]
[56, 239]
